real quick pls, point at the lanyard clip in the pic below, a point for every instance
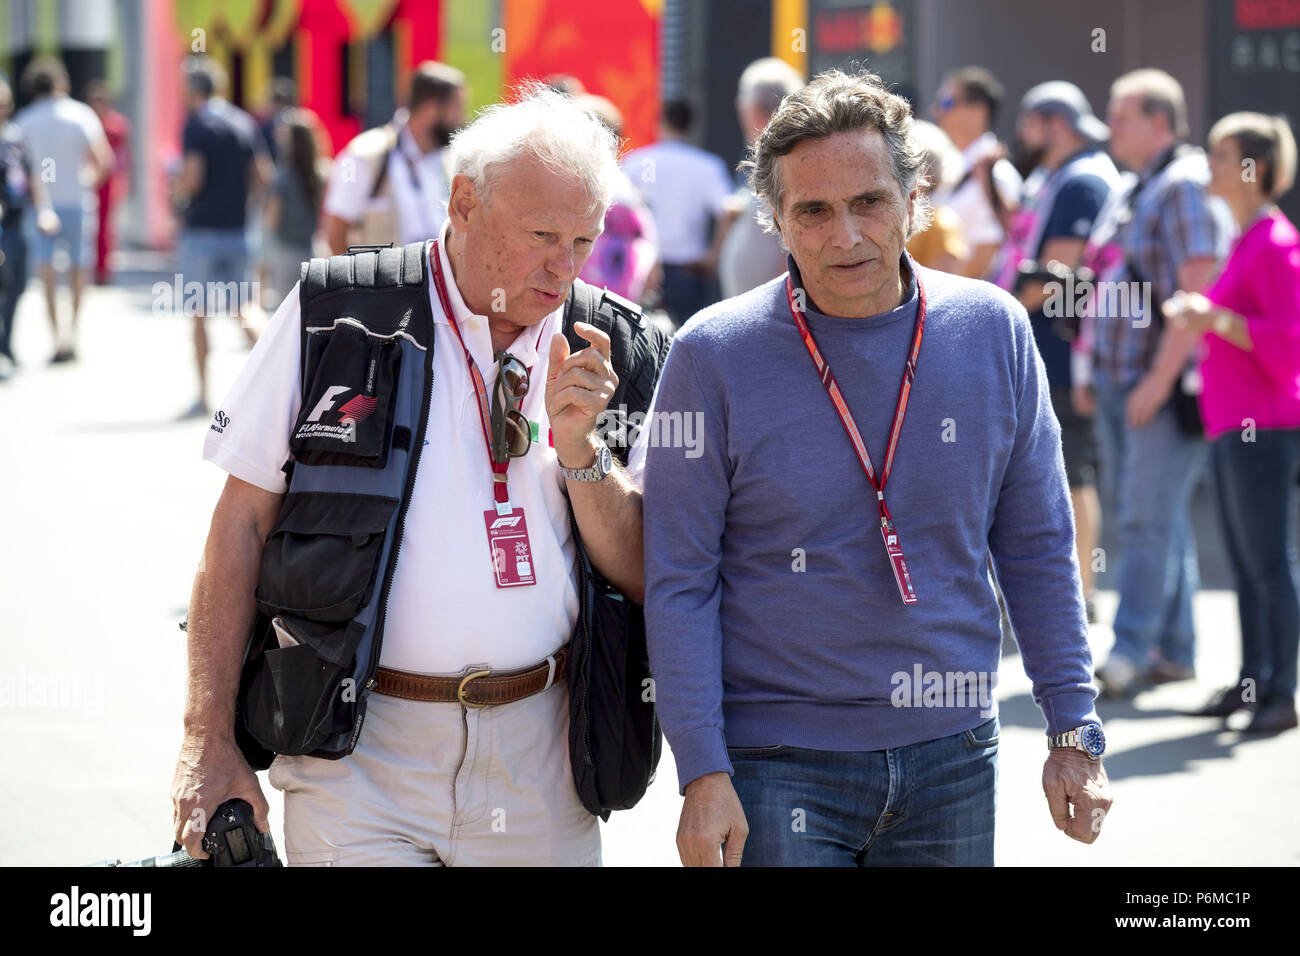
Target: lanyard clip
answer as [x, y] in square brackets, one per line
[501, 494]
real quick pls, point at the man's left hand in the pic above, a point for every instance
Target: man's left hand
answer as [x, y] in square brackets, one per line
[578, 389]
[1070, 779]
[1146, 399]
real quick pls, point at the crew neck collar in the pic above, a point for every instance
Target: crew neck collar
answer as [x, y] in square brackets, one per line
[907, 307]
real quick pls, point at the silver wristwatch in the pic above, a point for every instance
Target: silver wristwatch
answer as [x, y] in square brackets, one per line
[1088, 738]
[603, 466]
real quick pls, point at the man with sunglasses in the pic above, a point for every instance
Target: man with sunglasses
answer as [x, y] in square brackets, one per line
[966, 107]
[484, 595]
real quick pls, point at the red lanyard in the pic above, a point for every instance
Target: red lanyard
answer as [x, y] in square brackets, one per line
[499, 468]
[887, 529]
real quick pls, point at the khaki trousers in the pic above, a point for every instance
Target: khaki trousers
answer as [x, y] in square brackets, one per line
[440, 784]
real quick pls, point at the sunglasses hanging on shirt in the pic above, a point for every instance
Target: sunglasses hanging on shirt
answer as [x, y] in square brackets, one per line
[511, 431]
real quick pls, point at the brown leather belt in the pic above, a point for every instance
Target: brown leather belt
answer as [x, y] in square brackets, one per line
[477, 687]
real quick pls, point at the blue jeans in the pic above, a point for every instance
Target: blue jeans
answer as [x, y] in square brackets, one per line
[217, 259]
[1256, 486]
[1148, 476]
[13, 279]
[686, 291]
[78, 226]
[925, 804]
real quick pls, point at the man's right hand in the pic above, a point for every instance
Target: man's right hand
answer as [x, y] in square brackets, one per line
[712, 828]
[209, 772]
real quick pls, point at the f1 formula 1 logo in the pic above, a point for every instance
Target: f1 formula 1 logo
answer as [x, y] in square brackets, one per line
[506, 522]
[355, 411]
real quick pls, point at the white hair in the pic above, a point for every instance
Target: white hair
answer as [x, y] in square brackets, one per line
[766, 82]
[543, 125]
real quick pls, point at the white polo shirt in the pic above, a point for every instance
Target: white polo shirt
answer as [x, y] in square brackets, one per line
[979, 223]
[444, 611]
[418, 188]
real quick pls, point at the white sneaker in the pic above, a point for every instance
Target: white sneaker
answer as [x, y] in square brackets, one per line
[1118, 675]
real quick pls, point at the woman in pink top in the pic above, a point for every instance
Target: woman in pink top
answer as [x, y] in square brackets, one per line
[1250, 366]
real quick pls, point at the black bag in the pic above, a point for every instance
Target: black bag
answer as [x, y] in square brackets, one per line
[1187, 406]
[614, 735]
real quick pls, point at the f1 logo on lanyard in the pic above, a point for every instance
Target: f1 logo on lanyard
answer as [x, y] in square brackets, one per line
[888, 532]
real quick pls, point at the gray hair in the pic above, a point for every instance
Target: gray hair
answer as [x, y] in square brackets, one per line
[766, 82]
[836, 102]
[539, 125]
[1160, 93]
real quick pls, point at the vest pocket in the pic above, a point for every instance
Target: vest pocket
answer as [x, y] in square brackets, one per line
[292, 703]
[322, 557]
[351, 395]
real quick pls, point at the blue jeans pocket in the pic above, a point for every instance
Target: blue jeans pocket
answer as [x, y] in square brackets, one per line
[746, 753]
[983, 737]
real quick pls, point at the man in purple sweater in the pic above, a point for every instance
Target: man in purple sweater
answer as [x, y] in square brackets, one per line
[823, 634]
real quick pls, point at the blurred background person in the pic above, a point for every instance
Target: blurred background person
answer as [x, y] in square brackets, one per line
[1062, 200]
[292, 211]
[390, 184]
[284, 97]
[223, 164]
[1250, 401]
[1169, 236]
[988, 188]
[69, 153]
[117, 129]
[22, 195]
[623, 258]
[749, 256]
[687, 189]
[940, 245]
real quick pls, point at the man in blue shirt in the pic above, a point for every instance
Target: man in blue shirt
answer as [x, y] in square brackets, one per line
[1063, 198]
[822, 631]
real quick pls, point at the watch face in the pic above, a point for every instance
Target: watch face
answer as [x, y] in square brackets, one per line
[1094, 741]
[604, 459]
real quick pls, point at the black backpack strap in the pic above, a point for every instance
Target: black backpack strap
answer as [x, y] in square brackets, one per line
[361, 269]
[637, 350]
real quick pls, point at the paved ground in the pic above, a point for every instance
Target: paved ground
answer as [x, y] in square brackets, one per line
[107, 505]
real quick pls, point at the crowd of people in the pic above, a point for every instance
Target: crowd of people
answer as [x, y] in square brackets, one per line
[1161, 288]
[1165, 304]
[1146, 383]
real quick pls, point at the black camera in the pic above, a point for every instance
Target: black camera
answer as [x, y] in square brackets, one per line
[232, 839]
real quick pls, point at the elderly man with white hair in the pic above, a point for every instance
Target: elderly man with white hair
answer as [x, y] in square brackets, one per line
[823, 633]
[464, 754]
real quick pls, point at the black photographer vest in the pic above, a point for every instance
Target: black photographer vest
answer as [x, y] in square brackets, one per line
[366, 377]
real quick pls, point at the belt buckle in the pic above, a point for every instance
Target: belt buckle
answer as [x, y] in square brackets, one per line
[460, 691]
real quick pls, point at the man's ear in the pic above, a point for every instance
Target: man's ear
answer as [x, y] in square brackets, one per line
[464, 202]
[911, 210]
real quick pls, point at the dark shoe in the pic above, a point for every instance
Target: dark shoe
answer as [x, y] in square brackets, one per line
[1224, 703]
[1273, 717]
[1090, 608]
[62, 355]
[1162, 671]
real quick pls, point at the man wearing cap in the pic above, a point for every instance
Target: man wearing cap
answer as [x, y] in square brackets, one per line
[1064, 195]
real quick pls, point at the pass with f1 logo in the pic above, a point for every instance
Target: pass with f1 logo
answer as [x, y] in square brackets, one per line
[512, 556]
